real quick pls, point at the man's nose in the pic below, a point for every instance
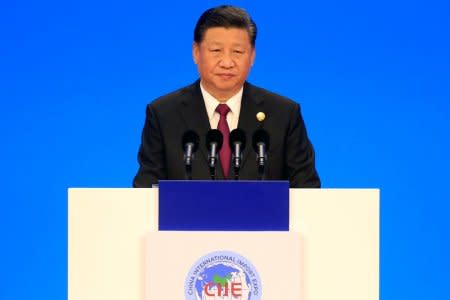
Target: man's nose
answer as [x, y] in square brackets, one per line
[226, 61]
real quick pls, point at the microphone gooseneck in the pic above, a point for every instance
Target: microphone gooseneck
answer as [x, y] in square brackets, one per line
[237, 144]
[214, 141]
[261, 143]
[189, 144]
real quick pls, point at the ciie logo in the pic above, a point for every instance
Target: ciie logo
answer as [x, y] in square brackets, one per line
[223, 275]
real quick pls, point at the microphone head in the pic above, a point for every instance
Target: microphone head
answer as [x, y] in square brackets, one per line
[190, 137]
[238, 136]
[260, 136]
[214, 136]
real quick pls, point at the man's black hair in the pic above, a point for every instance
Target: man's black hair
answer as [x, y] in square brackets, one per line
[225, 16]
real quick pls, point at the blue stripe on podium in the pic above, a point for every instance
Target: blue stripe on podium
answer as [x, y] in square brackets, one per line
[224, 205]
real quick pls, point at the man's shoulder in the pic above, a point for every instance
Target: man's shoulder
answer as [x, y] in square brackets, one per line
[268, 96]
[175, 97]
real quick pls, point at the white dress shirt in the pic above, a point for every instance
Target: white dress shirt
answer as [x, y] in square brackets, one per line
[234, 103]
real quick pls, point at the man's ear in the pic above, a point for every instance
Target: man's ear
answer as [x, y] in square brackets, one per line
[253, 55]
[195, 52]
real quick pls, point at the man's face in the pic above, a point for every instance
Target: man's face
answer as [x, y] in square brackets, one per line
[224, 58]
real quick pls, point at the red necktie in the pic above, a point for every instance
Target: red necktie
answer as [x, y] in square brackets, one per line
[225, 152]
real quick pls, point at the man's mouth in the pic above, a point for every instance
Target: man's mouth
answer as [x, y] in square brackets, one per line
[225, 75]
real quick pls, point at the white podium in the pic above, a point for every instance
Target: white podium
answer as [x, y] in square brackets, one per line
[111, 233]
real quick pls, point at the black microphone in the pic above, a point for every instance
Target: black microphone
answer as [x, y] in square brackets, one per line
[261, 143]
[214, 141]
[189, 144]
[237, 145]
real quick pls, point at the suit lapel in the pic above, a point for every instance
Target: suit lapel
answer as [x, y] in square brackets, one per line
[193, 112]
[250, 106]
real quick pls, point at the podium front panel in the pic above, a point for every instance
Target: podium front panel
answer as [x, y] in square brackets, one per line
[108, 228]
[224, 265]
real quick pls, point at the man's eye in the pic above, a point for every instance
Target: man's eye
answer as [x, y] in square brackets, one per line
[238, 51]
[215, 50]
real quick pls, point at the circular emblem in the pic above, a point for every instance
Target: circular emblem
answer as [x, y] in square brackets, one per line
[260, 116]
[223, 275]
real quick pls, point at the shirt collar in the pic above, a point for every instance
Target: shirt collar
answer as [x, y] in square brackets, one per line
[234, 103]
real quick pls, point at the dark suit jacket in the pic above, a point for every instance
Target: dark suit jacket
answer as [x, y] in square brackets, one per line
[290, 157]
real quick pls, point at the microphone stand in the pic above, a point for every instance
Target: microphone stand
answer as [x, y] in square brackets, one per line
[237, 159]
[212, 167]
[188, 161]
[261, 161]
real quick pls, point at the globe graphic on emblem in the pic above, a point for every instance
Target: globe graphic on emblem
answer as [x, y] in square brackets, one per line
[223, 276]
[226, 277]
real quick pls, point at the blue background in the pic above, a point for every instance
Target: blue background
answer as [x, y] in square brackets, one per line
[373, 79]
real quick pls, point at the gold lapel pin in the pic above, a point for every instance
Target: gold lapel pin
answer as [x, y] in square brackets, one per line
[260, 116]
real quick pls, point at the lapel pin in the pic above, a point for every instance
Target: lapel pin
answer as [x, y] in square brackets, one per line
[260, 116]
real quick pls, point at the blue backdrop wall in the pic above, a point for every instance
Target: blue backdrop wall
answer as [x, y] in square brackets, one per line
[373, 80]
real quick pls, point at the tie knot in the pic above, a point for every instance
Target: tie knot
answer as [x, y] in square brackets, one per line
[223, 109]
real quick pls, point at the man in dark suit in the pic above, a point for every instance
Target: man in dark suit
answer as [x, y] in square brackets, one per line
[224, 51]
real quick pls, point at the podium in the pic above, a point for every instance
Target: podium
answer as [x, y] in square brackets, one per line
[333, 233]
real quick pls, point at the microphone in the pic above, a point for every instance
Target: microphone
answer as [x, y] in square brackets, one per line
[214, 141]
[261, 143]
[189, 144]
[237, 145]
